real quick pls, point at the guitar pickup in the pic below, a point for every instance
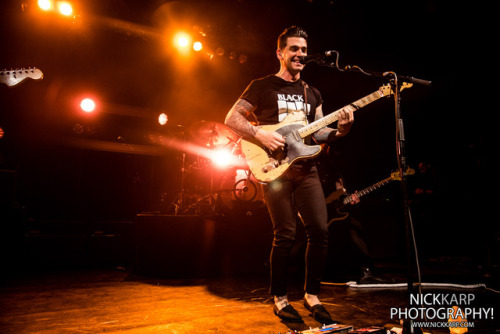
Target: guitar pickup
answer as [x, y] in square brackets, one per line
[297, 136]
[270, 166]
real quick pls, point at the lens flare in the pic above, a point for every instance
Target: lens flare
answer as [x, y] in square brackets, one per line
[222, 158]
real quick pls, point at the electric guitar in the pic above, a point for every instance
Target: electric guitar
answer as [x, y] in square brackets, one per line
[267, 166]
[14, 77]
[339, 198]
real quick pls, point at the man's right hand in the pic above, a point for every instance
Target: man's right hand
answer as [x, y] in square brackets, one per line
[270, 139]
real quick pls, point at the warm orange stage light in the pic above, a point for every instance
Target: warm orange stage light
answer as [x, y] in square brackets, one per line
[163, 119]
[65, 8]
[45, 4]
[182, 40]
[197, 46]
[222, 158]
[88, 105]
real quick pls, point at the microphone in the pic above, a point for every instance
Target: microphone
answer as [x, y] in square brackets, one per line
[318, 56]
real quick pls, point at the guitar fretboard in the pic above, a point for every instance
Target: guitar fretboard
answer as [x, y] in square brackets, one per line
[334, 116]
[367, 190]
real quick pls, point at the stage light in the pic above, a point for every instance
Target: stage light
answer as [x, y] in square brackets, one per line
[197, 46]
[163, 119]
[88, 105]
[2, 133]
[65, 8]
[222, 158]
[182, 40]
[45, 4]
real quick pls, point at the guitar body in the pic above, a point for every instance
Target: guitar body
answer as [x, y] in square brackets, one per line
[335, 206]
[335, 196]
[337, 215]
[267, 166]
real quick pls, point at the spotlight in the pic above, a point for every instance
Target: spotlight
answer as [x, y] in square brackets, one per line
[182, 40]
[163, 119]
[88, 105]
[197, 46]
[222, 158]
[65, 8]
[45, 4]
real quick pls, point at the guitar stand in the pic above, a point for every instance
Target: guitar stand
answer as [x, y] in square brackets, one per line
[396, 82]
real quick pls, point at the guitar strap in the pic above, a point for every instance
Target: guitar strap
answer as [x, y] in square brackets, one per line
[307, 111]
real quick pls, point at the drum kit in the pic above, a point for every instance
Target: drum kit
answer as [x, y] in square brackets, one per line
[208, 190]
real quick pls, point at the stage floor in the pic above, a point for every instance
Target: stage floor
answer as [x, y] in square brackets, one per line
[117, 300]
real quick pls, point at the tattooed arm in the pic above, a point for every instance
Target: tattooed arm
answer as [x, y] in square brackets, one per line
[328, 135]
[236, 119]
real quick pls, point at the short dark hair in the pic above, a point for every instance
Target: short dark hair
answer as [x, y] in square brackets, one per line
[292, 31]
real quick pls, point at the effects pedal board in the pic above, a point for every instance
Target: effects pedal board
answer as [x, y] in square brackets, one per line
[333, 328]
[338, 328]
[370, 330]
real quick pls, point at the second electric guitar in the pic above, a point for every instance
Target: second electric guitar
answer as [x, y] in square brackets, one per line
[267, 166]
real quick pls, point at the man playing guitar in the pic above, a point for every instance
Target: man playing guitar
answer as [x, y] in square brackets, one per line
[271, 100]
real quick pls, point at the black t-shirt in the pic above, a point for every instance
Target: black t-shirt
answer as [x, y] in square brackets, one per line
[274, 98]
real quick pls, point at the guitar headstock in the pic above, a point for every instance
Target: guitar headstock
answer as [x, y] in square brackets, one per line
[396, 176]
[386, 90]
[405, 85]
[14, 77]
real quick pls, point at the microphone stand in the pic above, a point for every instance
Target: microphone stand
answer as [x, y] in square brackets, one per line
[396, 81]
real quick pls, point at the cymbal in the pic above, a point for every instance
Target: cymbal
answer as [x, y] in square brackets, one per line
[212, 134]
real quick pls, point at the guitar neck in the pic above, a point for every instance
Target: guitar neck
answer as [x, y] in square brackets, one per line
[334, 116]
[368, 190]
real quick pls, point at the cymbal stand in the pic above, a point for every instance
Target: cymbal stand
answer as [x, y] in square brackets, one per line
[210, 196]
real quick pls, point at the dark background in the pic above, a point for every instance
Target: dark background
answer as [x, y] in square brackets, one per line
[120, 52]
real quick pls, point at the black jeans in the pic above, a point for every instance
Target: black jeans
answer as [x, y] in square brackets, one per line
[299, 189]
